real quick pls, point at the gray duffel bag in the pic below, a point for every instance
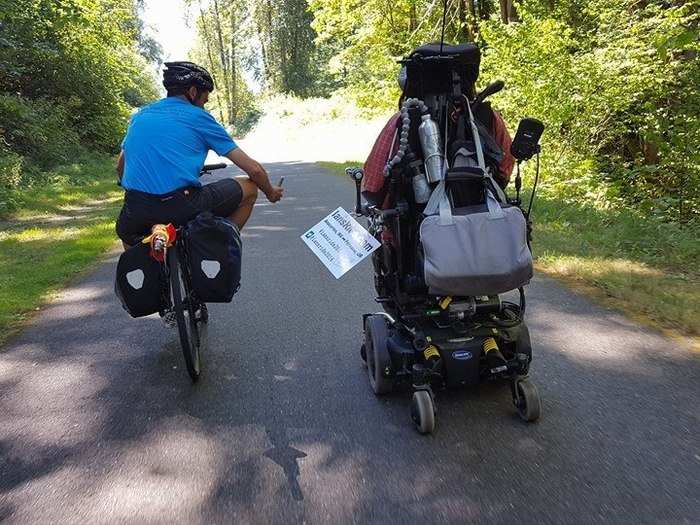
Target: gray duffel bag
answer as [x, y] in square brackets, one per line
[482, 251]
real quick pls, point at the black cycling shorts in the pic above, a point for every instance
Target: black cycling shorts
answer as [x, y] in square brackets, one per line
[142, 210]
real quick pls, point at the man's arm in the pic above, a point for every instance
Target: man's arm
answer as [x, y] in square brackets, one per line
[256, 172]
[120, 166]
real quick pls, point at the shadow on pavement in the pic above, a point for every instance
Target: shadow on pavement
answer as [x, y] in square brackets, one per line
[98, 420]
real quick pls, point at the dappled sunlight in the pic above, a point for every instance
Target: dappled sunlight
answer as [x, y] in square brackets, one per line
[88, 205]
[101, 423]
[53, 234]
[261, 203]
[268, 228]
[170, 471]
[79, 295]
[41, 234]
[325, 474]
[595, 266]
[174, 465]
[41, 407]
[67, 203]
[660, 296]
[326, 209]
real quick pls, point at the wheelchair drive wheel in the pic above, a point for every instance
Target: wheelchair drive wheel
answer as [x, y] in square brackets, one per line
[379, 368]
[191, 315]
[423, 411]
[527, 400]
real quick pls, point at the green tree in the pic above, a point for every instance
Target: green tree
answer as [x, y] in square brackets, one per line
[71, 72]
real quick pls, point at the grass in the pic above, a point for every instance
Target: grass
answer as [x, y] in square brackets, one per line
[60, 230]
[338, 168]
[637, 264]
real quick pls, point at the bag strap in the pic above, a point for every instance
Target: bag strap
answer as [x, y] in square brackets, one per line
[495, 210]
[480, 155]
[439, 201]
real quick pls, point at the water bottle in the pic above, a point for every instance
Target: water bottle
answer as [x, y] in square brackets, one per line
[429, 135]
[421, 189]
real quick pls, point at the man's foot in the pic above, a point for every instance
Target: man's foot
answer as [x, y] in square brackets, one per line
[168, 317]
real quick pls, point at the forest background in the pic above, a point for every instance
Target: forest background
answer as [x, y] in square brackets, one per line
[615, 82]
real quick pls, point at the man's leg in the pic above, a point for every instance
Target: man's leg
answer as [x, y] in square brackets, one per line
[245, 208]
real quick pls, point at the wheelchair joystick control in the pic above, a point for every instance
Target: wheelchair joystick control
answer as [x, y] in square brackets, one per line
[356, 174]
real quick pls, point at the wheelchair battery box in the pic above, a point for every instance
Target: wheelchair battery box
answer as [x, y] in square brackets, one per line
[461, 357]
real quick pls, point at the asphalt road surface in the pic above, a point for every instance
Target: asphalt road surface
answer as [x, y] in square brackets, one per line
[99, 422]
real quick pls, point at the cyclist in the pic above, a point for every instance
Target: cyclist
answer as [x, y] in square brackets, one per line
[163, 152]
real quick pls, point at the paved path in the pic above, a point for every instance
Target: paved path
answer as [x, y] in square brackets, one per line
[99, 422]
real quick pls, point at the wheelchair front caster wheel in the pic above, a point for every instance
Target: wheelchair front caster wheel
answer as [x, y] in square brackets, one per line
[423, 412]
[527, 402]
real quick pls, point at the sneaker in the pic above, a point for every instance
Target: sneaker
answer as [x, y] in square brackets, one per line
[168, 317]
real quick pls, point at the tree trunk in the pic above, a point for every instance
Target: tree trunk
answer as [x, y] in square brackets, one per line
[232, 61]
[512, 13]
[224, 62]
[473, 21]
[412, 17]
[508, 12]
[209, 54]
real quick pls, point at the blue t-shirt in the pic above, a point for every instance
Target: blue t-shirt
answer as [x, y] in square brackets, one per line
[166, 144]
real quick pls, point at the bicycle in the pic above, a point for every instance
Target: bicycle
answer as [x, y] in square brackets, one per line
[191, 315]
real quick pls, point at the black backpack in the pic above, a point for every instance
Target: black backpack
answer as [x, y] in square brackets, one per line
[139, 281]
[214, 255]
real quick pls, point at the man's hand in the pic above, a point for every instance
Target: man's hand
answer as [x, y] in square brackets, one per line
[256, 173]
[275, 193]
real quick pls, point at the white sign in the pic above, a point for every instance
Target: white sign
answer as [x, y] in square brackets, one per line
[340, 242]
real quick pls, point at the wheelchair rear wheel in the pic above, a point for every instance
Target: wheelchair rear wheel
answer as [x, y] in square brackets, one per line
[377, 353]
[191, 316]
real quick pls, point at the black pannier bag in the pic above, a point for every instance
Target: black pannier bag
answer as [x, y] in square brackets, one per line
[138, 281]
[214, 254]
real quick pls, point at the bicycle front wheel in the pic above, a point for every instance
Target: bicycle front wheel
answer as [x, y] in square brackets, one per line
[191, 316]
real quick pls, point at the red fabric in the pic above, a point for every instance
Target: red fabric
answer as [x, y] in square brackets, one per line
[500, 133]
[373, 179]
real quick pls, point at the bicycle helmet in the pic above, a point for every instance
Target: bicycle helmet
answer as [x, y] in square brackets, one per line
[186, 74]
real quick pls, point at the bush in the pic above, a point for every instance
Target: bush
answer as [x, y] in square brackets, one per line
[621, 110]
[38, 129]
[10, 178]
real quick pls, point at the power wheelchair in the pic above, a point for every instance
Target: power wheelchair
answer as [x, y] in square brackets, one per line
[429, 342]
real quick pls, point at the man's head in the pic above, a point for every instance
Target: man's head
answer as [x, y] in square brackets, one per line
[188, 80]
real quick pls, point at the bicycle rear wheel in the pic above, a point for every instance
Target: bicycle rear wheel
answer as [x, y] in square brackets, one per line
[191, 316]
